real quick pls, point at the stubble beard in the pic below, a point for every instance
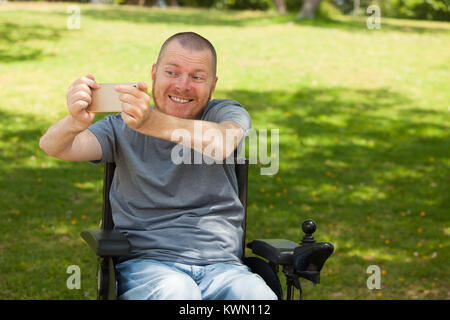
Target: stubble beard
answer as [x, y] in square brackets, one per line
[157, 99]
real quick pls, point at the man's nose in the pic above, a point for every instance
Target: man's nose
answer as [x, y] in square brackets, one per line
[183, 82]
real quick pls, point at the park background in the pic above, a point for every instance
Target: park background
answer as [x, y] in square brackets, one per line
[363, 116]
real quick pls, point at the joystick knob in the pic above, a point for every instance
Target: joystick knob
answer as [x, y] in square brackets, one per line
[308, 227]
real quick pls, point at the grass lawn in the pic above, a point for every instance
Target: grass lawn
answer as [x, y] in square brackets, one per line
[364, 144]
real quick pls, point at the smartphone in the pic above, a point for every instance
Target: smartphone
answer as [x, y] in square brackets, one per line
[106, 99]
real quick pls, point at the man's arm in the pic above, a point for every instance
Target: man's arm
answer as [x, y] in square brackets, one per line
[216, 140]
[69, 139]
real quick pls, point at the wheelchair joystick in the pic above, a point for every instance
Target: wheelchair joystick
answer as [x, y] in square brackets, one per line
[299, 260]
[310, 256]
[308, 227]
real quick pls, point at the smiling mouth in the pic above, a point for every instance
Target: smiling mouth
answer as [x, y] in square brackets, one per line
[180, 100]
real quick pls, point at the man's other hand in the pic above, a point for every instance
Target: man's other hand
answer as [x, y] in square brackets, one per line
[135, 104]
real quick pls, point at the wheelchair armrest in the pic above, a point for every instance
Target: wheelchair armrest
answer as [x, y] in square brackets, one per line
[106, 243]
[277, 251]
[309, 259]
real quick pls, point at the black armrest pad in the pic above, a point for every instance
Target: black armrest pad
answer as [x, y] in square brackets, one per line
[106, 243]
[309, 259]
[278, 251]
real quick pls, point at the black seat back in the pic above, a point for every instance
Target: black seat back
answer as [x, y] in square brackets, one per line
[107, 223]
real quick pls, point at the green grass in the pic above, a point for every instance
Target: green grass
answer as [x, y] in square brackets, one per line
[364, 145]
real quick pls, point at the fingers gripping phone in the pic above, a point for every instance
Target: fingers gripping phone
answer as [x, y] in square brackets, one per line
[106, 99]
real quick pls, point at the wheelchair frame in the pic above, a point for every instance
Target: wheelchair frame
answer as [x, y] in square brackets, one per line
[304, 260]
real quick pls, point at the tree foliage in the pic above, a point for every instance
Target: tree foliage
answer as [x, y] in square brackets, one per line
[411, 9]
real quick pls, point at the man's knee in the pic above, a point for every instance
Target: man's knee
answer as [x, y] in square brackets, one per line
[176, 287]
[172, 286]
[142, 279]
[252, 287]
[238, 283]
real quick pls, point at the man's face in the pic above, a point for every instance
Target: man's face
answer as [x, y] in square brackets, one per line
[183, 81]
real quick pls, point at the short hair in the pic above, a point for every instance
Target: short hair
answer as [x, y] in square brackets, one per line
[192, 41]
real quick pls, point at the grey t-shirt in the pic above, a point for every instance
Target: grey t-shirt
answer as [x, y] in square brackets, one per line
[188, 213]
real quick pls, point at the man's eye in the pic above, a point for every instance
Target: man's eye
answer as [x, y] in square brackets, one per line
[170, 73]
[197, 78]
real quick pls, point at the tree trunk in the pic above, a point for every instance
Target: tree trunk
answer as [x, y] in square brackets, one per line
[308, 9]
[142, 3]
[356, 7]
[280, 5]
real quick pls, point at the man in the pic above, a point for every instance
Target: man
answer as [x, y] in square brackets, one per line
[183, 220]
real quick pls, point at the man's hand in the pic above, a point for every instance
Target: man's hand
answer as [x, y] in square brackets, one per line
[79, 96]
[135, 105]
[70, 139]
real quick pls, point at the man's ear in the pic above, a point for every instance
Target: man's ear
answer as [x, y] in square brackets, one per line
[214, 85]
[154, 72]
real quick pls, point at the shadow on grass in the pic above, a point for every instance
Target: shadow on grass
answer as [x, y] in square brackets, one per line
[29, 167]
[132, 14]
[16, 38]
[45, 204]
[369, 174]
[346, 155]
[42, 189]
[359, 25]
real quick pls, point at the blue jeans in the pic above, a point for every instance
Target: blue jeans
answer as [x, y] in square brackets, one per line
[141, 279]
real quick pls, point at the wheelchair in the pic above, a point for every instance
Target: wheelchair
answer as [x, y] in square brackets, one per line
[304, 260]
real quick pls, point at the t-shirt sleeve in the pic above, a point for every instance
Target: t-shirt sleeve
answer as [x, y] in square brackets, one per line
[230, 110]
[105, 131]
